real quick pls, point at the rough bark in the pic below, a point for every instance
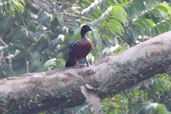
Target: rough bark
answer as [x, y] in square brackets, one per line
[58, 89]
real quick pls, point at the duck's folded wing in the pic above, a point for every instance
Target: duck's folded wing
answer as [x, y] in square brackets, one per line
[75, 47]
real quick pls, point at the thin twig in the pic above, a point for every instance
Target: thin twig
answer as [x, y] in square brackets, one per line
[62, 3]
[3, 43]
[24, 24]
[77, 16]
[27, 66]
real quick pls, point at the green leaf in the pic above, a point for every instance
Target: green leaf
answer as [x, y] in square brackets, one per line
[164, 9]
[161, 109]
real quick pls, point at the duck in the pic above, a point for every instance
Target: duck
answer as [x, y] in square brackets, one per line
[80, 48]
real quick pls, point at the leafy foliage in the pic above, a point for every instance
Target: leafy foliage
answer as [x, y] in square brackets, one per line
[143, 99]
[10, 6]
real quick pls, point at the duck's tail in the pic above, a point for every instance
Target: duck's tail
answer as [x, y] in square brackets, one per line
[70, 62]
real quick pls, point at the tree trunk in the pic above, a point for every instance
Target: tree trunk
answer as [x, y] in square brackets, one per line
[58, 89]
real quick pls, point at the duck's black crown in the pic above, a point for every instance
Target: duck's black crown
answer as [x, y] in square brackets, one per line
[85, 29]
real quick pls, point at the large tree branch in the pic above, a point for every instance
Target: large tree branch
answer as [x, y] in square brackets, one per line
[58, 89]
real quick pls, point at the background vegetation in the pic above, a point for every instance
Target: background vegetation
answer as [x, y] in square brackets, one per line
[36, 36]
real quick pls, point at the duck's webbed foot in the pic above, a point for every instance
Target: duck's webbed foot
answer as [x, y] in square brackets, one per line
[79, 65]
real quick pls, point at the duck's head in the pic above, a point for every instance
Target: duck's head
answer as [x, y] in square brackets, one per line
[85, 29]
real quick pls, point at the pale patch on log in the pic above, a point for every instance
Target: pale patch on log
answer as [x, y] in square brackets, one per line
[93, 99]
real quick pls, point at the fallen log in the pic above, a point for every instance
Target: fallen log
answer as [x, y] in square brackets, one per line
[59, 89]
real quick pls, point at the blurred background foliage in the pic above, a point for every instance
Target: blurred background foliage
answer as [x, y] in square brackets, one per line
[36, 36]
